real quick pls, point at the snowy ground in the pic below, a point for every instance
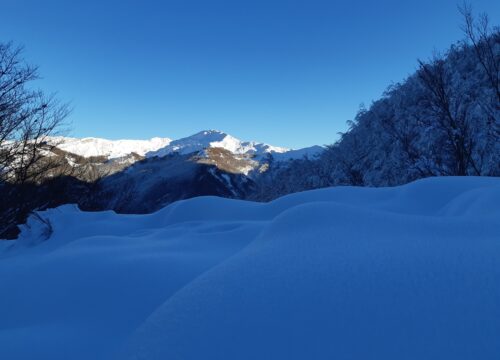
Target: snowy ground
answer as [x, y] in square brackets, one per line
[411, 272]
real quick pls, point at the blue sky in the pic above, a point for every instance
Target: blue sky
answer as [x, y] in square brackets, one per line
[289, 73]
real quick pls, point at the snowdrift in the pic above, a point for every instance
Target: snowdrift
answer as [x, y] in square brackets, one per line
[410, 272]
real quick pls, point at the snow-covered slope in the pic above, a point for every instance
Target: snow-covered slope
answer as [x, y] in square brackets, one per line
[88, 147]
[410, 272]
[309, 152]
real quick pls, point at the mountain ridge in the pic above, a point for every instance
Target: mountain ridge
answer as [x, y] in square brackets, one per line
[162, 146]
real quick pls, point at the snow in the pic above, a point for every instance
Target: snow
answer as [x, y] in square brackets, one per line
[218, 139]
[215, 138]
[160, 147]
[309, 152]
[408, 272]
[111, 149]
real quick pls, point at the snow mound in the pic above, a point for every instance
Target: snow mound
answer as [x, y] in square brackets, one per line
[409, 272]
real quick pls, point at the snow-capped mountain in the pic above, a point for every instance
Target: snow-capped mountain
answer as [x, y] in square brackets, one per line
[142, 176]
[217, 139]
[197, 143]
[90, 146]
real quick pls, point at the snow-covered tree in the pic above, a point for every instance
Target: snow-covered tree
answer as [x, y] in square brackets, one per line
[442, 120]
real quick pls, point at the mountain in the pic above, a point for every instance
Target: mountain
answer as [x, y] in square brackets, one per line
[210, 162]
[217, 139]
[210, 147]
[159, 147]
[89, 147]
[142, 176]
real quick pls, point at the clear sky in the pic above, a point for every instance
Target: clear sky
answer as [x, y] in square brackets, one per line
[289, 73]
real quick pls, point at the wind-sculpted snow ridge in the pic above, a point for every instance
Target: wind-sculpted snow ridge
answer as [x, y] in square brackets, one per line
[409, 272]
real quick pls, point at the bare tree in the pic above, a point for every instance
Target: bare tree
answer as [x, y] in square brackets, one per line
[452, 116]
[483, 39]
[27, 118]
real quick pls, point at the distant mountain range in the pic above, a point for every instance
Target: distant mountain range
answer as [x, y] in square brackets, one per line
[90, 146]
[210, 147]
[159, 147]
[141, 176]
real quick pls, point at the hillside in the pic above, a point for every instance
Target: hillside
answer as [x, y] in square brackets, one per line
[442, 120]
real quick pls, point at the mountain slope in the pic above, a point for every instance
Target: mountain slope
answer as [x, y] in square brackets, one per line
[152, 183]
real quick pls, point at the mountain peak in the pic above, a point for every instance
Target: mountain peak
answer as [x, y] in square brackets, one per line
[216, 139]
[208, 135]
[212, 131]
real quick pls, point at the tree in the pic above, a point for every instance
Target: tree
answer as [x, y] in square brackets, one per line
[483, 39]
[450, 110]
[27, 118]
